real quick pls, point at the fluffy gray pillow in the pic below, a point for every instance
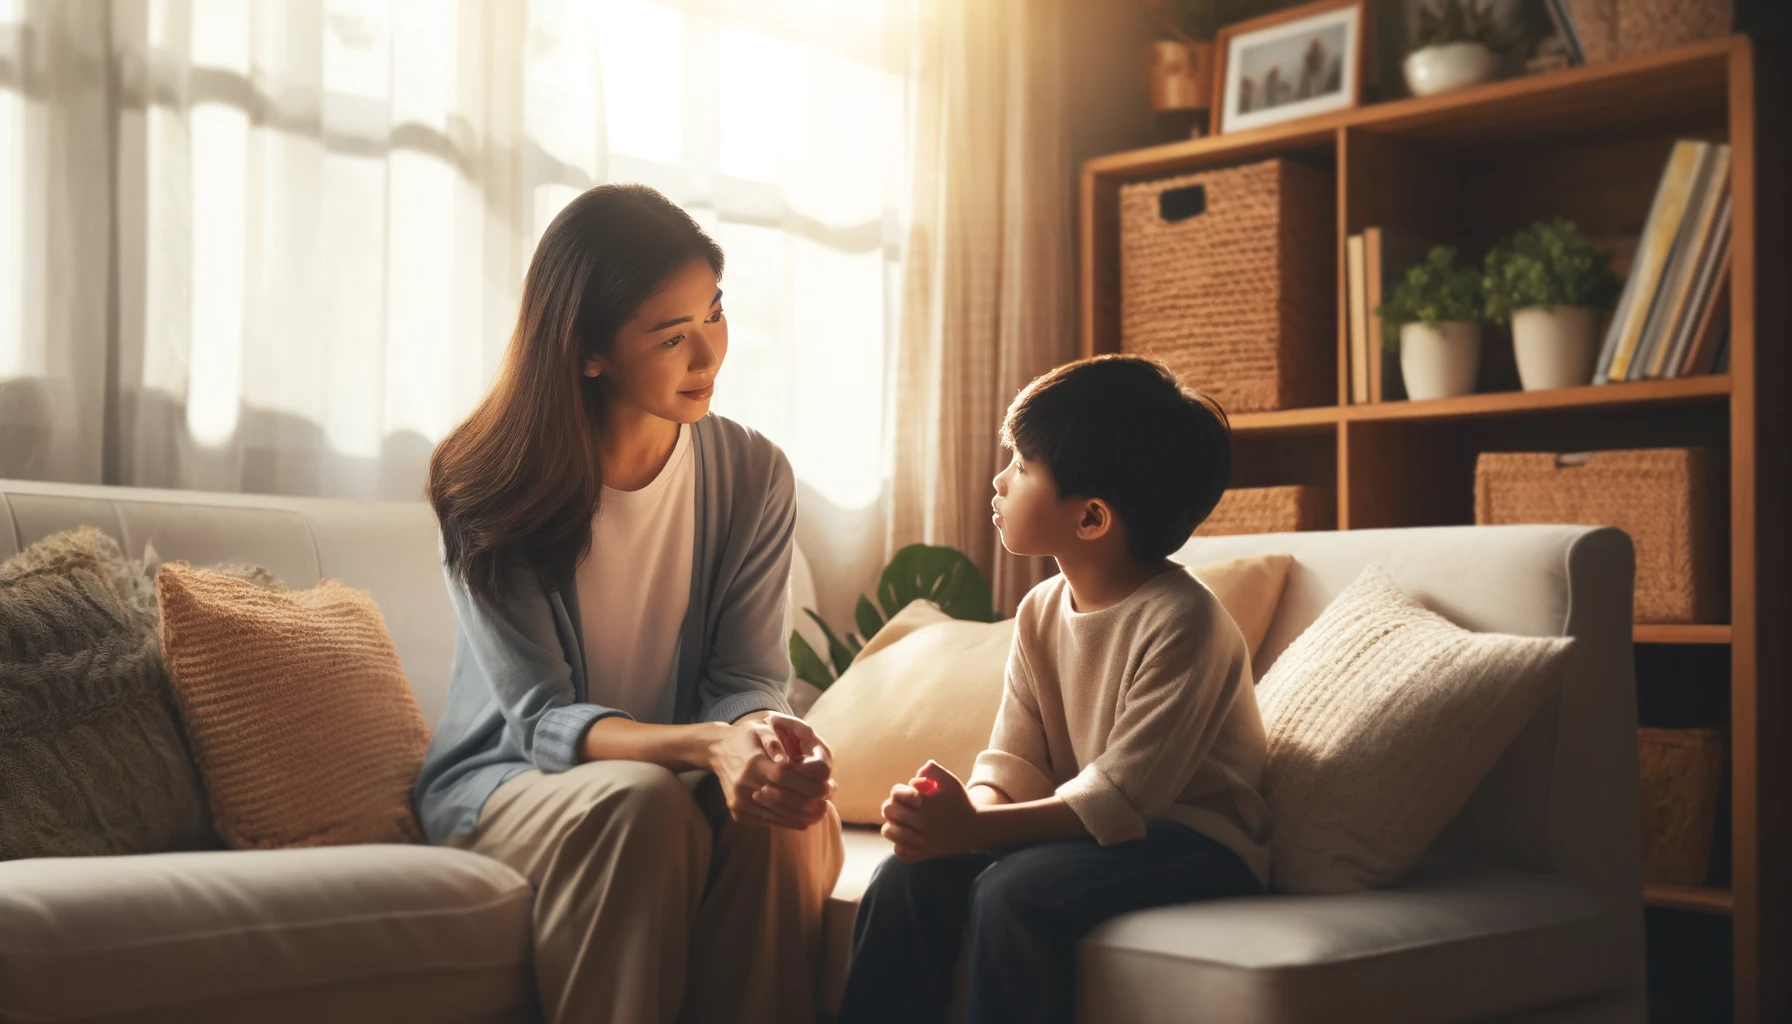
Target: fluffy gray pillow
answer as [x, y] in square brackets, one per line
[92, 757]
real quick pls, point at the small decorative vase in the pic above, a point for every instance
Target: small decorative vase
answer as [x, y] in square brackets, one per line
[1554, 345]
[1181, 75]
[1439, 362]
[1438, 69]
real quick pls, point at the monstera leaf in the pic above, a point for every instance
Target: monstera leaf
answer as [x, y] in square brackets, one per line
[943, 575]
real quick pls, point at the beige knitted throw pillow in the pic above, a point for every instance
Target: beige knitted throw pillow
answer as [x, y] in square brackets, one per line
[298, 713]
[1382, 718]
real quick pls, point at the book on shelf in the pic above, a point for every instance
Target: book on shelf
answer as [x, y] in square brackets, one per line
[1713, 328]
[1357, 304]
[1672, 277]
[1387, 253]
[1563, 19]
[1690, 249]
[1707, 304]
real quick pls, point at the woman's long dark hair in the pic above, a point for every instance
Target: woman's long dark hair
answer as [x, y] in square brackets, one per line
[518, 482]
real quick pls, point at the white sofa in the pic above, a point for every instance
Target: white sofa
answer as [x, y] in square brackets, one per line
[1529, 908]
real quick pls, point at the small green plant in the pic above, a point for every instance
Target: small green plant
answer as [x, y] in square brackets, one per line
[1432, 292]
[1550, 263]
[1458, 21]
[945, 576]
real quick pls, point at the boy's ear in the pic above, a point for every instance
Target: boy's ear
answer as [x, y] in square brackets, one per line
[1097, 520]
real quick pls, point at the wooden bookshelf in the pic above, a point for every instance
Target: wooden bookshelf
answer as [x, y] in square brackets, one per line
[1498, 403]
[1698, 899]
[1467, 168]
[1664, 633]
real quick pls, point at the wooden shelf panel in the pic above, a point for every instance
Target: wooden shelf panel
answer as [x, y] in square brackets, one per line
[1501, 403]
[1316, 420]
[1666, 633]
[1698, 899]
[1687, 82]
[1506, 403]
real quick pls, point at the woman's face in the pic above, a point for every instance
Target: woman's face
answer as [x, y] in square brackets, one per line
[665, 360]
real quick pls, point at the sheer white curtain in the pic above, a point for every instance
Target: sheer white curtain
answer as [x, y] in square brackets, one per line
[277, 246]
[987, 306]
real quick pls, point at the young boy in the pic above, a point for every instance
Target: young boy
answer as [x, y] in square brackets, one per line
[1125, 765]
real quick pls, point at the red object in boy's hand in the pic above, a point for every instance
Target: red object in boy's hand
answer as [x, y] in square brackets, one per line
[926, 787]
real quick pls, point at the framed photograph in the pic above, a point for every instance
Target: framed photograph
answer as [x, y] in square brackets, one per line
[1291, 64]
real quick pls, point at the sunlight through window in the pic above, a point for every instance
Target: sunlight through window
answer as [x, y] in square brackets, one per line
[764, 83]
[220, 172]
[643, 53]
[12, 213]
[420, 310]
[562, 90]
[354, 320]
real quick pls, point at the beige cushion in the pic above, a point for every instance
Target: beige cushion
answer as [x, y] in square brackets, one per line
[1382, 718]
[927, 686]
[302, 724]
[1459, 941]
[932, 692]
[341, 933]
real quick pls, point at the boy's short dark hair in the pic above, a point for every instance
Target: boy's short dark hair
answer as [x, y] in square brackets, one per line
[1122, 429]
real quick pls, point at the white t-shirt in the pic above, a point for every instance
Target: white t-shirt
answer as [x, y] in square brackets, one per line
[635, 586]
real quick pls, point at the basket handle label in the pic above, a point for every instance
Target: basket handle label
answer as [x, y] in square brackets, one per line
[1174, 204]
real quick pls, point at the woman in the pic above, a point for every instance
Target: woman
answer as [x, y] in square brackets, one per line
[616, 728]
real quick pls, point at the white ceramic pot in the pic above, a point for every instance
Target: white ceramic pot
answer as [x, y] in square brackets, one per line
[1438, 69]
[1554, 345]
[1439, 362]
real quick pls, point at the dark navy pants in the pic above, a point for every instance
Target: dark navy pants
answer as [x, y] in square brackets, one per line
[1026, 910]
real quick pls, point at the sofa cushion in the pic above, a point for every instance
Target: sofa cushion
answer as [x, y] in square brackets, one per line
[92, 760]
[303, 726]
[336, 933]
[1460, 939]
[1382, 718]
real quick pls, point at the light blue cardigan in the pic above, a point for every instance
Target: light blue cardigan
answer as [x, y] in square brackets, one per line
[517, 693]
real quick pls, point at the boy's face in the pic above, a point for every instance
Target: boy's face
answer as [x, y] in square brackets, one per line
[1031, 517]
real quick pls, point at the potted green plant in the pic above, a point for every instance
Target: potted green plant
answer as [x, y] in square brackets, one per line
[1550, 283]
[1457, 43]
[1433, 317]
[919, 572]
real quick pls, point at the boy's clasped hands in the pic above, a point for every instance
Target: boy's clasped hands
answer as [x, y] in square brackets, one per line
[930, 816]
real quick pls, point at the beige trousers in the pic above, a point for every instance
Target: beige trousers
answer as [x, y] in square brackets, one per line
[652, 904]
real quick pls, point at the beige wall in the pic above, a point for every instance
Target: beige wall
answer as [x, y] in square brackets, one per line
[1107, 92]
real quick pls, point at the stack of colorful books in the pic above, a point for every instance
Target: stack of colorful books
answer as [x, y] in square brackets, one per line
[1672, 320]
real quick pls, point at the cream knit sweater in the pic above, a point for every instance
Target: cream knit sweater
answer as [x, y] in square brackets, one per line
[1140, 711]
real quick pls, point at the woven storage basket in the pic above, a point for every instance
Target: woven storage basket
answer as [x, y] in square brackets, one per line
[1610, 29]
[1269, 510]
[1228, 278]
[1682, 769]
[1661, 497]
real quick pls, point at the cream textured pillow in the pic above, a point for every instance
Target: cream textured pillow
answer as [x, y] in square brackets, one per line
[1382, 718]
[927, 686]
[300, 719]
